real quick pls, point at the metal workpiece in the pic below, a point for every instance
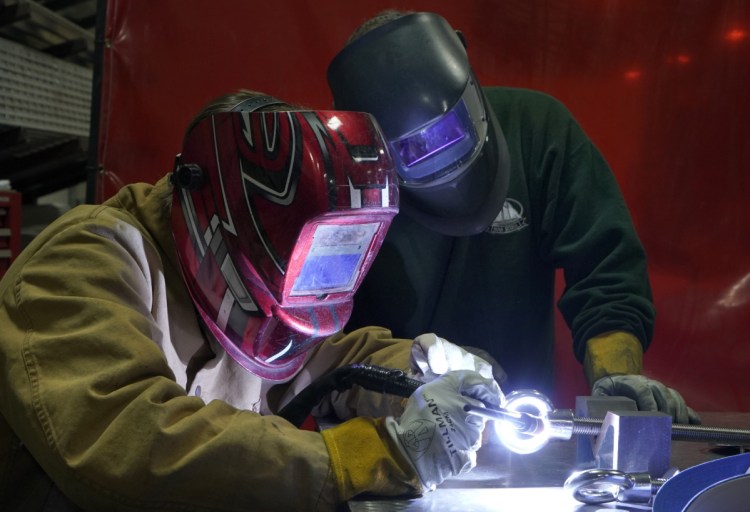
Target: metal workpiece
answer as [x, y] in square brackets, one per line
[596, 486]
[634, 442]
[592, 409]
[564, 425]
[630, 450]
[679, 432]
[534, 482]
[718, 435]
[528, 421]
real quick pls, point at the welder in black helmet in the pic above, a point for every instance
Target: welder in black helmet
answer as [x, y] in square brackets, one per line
[500, 187]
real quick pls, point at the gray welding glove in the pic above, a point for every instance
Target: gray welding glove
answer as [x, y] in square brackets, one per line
[649, 395]
[432, 355]
[435, 434]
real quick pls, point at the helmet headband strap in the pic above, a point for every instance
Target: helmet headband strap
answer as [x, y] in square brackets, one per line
[256, 103]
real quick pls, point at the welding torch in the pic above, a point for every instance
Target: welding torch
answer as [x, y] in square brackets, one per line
[522, 422]
[525, 423]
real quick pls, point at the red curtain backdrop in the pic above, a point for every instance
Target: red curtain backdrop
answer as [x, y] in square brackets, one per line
[660, 86]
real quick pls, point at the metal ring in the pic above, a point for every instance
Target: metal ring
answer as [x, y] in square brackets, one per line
[595, 486]
[531, 402]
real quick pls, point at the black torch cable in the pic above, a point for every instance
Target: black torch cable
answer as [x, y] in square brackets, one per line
[372, 378]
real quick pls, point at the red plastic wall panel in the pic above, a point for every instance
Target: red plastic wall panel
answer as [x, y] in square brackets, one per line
[660, 86]
[10, 228]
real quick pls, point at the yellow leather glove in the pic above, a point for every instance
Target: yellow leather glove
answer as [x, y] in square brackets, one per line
[612, 353]
[613, 365]
[364, 458]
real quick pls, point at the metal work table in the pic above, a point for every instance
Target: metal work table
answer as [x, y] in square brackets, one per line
[507, 482]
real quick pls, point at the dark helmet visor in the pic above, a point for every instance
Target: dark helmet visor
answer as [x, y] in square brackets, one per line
[444, 147]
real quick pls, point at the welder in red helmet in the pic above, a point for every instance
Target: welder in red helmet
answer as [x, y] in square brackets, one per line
[146, 342]
[500, 189]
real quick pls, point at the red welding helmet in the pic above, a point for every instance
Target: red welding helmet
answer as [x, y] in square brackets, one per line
[277, 217]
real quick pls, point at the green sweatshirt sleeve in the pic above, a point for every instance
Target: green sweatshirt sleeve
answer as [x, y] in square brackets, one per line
[587, 231]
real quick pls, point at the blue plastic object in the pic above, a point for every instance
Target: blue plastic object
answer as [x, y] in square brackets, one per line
[718, 485]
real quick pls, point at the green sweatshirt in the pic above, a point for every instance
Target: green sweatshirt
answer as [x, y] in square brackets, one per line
[495, 290]
[96, 335]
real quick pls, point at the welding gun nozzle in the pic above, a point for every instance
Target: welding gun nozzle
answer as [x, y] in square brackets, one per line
[523, 422]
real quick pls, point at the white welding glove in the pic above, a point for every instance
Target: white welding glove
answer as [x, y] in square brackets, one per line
[432, 355]
[649, 395]
[435, 434]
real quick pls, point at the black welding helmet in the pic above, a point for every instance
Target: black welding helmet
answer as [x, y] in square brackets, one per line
[412, 73]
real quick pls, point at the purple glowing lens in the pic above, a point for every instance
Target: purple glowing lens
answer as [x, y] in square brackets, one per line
[445, 132]
[334, 259]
